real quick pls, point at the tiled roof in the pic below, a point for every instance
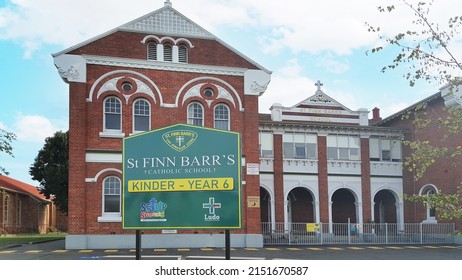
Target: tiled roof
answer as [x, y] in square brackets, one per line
[20, 187]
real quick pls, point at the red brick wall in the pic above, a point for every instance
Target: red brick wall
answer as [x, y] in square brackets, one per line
[444, 174]
[86, 122]
[322, 179]
[278, 178]
[129, 45]
[366, 179]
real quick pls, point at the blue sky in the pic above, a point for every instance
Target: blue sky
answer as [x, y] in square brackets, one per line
[300, 41]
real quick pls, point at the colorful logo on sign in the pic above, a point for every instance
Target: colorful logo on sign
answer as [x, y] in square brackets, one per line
[179, 140]
[211, 205]
[152, 211]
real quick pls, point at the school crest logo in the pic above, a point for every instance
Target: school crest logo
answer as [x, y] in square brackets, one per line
[179, 140]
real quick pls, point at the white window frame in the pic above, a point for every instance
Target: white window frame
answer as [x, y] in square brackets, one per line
[428, 190]
[113, 133]
[222, 120]
[191, 114]
[183, 53]
[265, 141]
[135, 115]
[151, 49]
[110, 216]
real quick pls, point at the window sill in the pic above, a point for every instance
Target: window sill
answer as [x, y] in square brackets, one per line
[110, 219]
[106, 134]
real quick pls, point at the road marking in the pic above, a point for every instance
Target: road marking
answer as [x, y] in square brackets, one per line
[315, 249]
[6, 252]
[251, 249]
[60, 251]
[111, 251]
[356, 248]
[394, 248]
[273, 249]
[412, 247]
[85, 251]
[294, 249]
[160, 250]
[335, 248]
[206, 249]
[34, 251]
[375, 248]
[183, 250]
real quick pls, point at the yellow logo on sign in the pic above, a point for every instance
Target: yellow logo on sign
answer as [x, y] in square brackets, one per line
[177, 185]
[179, 140]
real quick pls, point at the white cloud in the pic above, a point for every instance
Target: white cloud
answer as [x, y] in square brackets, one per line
[288, 87]
[33, 128]
[331, 64]
[299, 25]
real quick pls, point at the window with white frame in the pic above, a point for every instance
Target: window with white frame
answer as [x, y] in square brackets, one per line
[381, 149]
[429, 190]
[168, 52]
[343, 147]
[141, 116]
[195, 114]
[182, 53]
[112, 114]
[300, 145]
[266, 144]
[111, 196]
[221, 115]
[152, 50]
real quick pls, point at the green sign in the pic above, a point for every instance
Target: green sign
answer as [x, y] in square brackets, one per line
[182, 177]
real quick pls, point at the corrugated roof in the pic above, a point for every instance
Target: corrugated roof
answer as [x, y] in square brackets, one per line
[21, 187]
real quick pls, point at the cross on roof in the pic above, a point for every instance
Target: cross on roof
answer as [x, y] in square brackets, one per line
[319, 85]
[167, 3]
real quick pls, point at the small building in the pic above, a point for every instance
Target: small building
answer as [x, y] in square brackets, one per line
[321, 162]
[25, 210]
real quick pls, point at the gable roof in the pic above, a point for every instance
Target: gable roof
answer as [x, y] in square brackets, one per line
[21, 187]
[164, 21]
[321, 108]
[407, 109]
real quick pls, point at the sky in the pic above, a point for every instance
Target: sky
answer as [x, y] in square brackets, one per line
[300, 41]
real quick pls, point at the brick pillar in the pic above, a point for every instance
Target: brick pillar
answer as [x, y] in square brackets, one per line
[252, 155]
[366, 180]
[77, 146]
[322, 179]
[278, 166]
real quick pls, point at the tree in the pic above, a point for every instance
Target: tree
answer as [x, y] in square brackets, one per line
[50, 169]
[426, 51]
[6, 139]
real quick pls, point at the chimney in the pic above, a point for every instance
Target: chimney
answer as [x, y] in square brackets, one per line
[376, 115]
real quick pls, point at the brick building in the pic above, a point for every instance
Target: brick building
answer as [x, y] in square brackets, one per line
[315, 162]
[25, 210]
[444, 175]
[158, 70]
[323, 163]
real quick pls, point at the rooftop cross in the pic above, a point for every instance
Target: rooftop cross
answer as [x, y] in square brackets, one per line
[319, 85]
[167, 3]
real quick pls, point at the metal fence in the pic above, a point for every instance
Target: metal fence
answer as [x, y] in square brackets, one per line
[349, 233]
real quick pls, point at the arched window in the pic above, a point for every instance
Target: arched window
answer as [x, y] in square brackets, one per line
[141, 116]
[195, 114]
[112, 114]
[168, 52]
[111, 195]
[152, 51]
[221, 115]
[429, 190]
[182, 54]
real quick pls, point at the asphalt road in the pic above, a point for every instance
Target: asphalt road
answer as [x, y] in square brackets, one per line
[55, 250]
